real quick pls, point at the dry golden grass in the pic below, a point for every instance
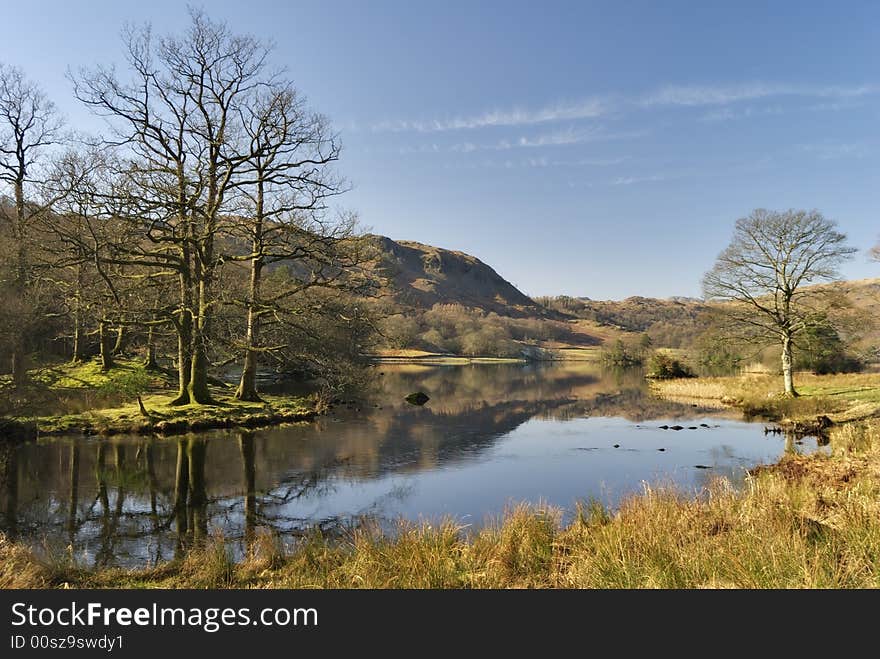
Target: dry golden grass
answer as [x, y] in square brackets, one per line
[808, 522]
[843, 397]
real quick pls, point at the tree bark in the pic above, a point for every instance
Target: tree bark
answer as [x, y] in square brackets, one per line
[150, 363]
[247, 388]
[786, 366]
[77, 332]
[104, 341]
[198, 381]
[120, 340]
[184, 342]
[17, 364]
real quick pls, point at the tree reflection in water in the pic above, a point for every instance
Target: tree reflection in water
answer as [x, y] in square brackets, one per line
[162, 496]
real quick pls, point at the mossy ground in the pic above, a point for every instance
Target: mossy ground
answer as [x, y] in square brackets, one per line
[98, 402]
[165, 418]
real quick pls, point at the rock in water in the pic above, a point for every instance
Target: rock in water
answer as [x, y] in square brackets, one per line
[417, 398]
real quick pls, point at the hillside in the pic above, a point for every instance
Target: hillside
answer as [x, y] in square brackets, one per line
[671, 323]
[440, 301]
[445, 301]
[421, 276]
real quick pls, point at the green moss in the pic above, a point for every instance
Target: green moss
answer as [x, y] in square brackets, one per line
[88, 375]
[128, 379]
[168, 419]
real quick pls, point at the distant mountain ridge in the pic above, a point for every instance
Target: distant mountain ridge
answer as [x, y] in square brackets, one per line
[419, 276]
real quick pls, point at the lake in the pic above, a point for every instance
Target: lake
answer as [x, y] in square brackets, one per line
[490, 436]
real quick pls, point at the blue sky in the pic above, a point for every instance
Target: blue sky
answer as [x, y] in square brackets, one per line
[602, 149]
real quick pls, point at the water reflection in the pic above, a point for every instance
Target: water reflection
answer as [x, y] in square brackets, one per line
[489, 435]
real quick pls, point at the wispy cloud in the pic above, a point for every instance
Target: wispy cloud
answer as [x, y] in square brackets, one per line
[631, 180]
[835, 150]
[556, 138]
[587, 109]
[538, 163]
[701, 95]
[832, 97]
[728, 114]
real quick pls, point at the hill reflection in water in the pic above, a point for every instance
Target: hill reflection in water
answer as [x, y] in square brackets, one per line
[490, 435]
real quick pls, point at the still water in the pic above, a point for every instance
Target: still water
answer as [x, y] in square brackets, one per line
[490, 436]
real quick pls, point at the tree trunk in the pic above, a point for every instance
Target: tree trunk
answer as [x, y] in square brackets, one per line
[120, 339]
[184, 343]
[21, 277]
[150, 363]
[247, 388]
[104, 341]
[17, 364]
[198, 381]
[77, 333]
[786, 366]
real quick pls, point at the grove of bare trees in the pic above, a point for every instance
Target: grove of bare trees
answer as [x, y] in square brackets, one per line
[199, 224]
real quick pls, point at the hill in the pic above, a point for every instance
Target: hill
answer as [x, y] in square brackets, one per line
[444, 301]
[422, 276]
[440, 301]
[671, 323]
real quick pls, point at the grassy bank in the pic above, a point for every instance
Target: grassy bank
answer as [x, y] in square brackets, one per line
[167, 419]
[83, 399]
[841, 397]
[809, 522]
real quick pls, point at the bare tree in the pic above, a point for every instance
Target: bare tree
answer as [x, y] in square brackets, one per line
[765, 273]
[176, 126]
[284, 188]
[29, 126]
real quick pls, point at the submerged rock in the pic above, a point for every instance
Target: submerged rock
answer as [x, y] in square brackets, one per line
[417, 398]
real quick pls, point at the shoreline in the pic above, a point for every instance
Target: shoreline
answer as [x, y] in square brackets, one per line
[202, 418]
[824, 401]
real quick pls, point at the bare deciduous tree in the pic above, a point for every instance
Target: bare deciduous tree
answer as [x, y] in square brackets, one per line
[29, 125]
[284, 188]
[177, 126]
[765, 273]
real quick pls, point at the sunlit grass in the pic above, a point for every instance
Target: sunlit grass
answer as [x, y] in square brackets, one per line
[840, 396]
